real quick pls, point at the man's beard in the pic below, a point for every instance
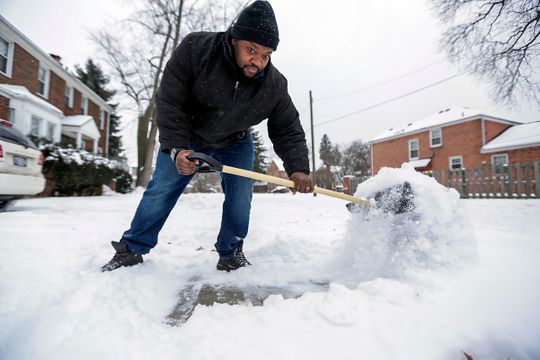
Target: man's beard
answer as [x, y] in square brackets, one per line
[252, 73]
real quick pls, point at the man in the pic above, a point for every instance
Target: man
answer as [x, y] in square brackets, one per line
[214, 88]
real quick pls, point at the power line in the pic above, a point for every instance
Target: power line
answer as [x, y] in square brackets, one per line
[382, 83]
[392, 99]
[301, 112]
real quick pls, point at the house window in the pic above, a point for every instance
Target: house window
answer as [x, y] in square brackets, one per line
[455, 162]
[35, 125]
[11, 117]
[84, 105]
[43, 77]
[435, 137]
[69, 96]
[102, 119]
[414, 153]
[500, 163]
[6, 56]
[51, 129]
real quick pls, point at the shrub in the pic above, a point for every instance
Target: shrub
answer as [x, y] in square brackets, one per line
[123, 180]
[75, 172]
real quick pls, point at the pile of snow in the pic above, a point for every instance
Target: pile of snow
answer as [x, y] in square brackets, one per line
[435, 234]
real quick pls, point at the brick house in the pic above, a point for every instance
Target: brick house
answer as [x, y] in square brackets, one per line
[44, 99]
[456, 138]
[277, 169]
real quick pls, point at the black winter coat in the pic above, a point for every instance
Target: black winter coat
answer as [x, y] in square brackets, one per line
[205, 99]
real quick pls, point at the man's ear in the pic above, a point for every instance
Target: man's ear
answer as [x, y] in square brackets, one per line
[234, 41]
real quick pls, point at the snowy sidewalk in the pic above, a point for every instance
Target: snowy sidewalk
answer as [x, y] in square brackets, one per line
[55, 304]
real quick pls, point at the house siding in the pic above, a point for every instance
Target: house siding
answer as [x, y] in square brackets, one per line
[493, 129]
[57, 91]
[25, 70]
[77, 97]
[462, 139]
[525, 155]
[94, 110]
[4, 108]
[273, 170]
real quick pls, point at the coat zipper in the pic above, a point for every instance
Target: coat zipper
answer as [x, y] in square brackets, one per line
[234, 91]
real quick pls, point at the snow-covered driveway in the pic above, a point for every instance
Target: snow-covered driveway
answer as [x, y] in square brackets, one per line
[56, 304]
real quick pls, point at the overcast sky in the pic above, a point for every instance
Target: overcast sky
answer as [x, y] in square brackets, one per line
[330, 47]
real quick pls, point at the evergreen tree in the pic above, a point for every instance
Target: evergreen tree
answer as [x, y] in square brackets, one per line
[259, 163]
[336, 155]
[93, 77]
[328, 153]
[115, 139]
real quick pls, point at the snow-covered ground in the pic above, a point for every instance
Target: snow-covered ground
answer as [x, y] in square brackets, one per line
[473, 287]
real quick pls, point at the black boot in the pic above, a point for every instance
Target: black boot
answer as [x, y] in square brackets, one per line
[238, 260]
[123, 257]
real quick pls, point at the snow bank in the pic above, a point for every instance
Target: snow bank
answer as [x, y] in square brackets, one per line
[436, 233]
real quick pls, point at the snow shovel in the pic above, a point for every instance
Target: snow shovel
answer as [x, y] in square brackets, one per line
[397, 199]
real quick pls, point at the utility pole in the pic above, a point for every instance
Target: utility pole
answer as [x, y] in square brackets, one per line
[312, 139]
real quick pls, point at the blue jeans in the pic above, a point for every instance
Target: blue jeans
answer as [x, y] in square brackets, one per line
[167, 185]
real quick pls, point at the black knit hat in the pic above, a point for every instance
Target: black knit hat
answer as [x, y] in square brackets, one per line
[257, 23]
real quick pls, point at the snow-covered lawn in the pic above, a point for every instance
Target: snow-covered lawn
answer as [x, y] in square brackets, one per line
[56, 304]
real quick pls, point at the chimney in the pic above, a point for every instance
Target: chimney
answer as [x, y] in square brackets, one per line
[57, 58]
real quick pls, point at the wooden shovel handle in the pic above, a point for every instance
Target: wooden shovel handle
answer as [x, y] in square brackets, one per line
[290, 184]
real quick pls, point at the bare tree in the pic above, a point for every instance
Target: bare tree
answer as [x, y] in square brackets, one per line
[355, 159]
[497, 39]
[138, 48]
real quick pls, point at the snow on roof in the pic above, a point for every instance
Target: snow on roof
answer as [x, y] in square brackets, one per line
[519, 136]
[443, 117]
[279, 164]
[84, 124]
[419, 163]
[20, 92]
[76, 120]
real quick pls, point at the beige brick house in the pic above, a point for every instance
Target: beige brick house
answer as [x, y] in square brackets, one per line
[46, 100]
[456, 138]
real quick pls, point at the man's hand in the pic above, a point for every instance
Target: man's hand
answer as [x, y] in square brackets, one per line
[183, 165]
[302, 182]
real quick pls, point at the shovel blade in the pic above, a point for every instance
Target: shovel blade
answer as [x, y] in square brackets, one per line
[395, 200]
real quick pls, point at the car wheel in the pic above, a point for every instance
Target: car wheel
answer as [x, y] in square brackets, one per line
[6, 205]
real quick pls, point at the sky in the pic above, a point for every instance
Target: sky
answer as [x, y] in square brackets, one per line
[332, 49]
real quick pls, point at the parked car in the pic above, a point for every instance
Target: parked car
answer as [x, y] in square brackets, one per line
[20, 166]
[280, 190]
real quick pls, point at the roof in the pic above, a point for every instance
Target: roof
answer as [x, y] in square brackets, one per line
[85, 124]
[279, 164]
[515, 137]
[421, 163]
[444, 117]
[76, 120]
[20, 92]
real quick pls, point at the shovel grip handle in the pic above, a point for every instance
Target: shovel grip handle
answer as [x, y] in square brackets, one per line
[208, 163]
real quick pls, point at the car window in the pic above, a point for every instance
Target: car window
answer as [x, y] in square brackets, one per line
[14, 135]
